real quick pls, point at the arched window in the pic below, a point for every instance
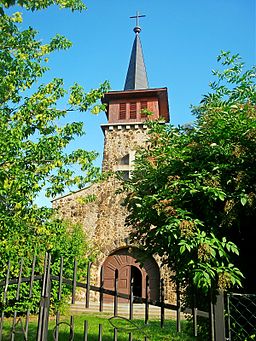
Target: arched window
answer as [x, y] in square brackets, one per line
[125, 160]
[125, 165]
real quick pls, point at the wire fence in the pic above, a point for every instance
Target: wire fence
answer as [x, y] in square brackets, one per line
[241, 312]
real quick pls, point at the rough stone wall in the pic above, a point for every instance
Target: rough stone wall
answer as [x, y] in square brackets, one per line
[104, 218]
[169, 285]
[119, 141]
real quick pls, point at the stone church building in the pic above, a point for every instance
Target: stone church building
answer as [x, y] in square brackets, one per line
[103, 218]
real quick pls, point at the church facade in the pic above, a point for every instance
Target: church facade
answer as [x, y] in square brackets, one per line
[103, 218]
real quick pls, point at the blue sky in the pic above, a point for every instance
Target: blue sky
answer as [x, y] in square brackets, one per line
[181, 40]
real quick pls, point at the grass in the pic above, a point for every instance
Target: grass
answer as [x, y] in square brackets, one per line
[153, 330]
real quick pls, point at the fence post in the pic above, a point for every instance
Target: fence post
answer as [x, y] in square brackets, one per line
[162, 301]
[219, 317]
[85, 330]
[194, 313]
[73, 299]
[101, 288]
[59, 298]
[116, 293]
[30, 294]
[228, 312]
[87, 298]
[146, 302]
[100, 333]
[17, 299]
[211, 318]
[43, 318]
[178, 308]
[5, 297]
[115, 334]
[131, 298]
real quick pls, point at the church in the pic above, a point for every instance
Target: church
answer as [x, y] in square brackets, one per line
[103, 218]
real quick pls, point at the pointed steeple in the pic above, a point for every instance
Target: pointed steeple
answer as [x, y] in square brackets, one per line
[136, 77]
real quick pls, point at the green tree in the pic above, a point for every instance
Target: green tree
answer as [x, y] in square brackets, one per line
[193, 192]
[74, 5]
[33, 153]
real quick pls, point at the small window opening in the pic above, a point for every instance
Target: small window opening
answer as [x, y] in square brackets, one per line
[125, 175]
[125, 160]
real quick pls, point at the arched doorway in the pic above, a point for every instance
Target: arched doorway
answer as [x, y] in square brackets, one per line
[127, 262]
[136, 277]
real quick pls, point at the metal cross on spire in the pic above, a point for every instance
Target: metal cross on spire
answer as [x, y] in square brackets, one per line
[137, 29]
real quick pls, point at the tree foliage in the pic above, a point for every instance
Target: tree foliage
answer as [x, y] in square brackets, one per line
[33, 143]
[192, 197]
[74, 5]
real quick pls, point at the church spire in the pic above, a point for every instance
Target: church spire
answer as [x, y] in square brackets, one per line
[136, 77]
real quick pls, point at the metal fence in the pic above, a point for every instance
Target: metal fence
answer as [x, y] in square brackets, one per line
[241, 317]
[46, 280]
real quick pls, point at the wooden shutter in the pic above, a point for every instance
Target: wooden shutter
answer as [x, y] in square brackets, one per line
[133, 110]
[122, 111]
[143, 105]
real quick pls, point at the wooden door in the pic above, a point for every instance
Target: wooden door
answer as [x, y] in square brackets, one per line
[127, 264]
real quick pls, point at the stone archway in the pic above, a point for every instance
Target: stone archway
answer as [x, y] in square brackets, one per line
[127, 261]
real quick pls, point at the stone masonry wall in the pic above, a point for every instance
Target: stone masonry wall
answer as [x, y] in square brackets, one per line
[103, 219]
[120, 140]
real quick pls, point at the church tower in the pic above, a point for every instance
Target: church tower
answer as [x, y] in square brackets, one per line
[125, 133]
[127, 111]
[104, 219]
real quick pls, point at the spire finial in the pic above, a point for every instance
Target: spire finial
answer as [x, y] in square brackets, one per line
[137, 28]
